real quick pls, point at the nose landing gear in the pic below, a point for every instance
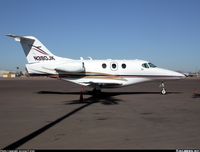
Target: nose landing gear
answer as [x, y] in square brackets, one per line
[163, 90]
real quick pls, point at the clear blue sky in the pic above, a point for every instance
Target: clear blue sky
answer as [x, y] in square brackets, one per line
[165, 32]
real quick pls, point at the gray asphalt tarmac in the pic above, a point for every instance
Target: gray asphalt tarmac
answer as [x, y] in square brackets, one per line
[47, 114]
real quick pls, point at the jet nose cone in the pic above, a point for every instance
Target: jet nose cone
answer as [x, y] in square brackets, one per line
[177, 75]
[180, 75]
[172, 74]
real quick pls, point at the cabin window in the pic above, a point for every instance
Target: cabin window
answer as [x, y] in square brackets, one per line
[114, 66]
[104, 65]
[145, 65]
[123, 65]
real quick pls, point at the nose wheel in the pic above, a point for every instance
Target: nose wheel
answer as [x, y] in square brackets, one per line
[163, 90]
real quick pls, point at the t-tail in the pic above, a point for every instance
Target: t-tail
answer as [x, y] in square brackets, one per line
[41, 61]
[34, 50]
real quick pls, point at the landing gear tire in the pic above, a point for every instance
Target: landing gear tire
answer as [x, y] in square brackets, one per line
[81, 97]
[163, 91]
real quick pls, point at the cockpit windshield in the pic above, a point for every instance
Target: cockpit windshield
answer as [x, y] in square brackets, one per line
[145, 65]
[148, 65]
[151, 65]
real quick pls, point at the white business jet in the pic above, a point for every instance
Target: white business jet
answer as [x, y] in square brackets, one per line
[94, 73]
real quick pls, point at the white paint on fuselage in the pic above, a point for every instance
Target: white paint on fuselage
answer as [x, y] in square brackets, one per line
[132, 74]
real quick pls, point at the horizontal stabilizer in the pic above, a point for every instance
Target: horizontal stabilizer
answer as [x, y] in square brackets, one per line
[18, 38]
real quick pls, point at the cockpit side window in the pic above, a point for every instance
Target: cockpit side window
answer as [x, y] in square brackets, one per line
[151, 65]
[145, 65]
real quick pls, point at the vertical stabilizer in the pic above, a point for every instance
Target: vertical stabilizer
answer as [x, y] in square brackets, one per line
[34, 50]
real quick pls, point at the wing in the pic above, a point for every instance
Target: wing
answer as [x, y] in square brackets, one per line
[103, 85]
[99, 82]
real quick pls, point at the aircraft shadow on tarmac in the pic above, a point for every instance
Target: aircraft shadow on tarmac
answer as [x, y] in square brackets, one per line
[103, 93]
[103, 99]
[106, 98]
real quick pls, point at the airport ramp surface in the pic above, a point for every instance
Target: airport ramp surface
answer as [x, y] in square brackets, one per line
[47, 114]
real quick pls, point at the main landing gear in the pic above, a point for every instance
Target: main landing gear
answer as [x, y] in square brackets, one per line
[81, 95]
[163, 90]
[96, 92]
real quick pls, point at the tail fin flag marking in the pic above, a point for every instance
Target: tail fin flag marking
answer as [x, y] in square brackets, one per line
[38, 48]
